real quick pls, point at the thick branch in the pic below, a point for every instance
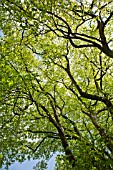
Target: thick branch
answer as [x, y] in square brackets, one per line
[87, 95]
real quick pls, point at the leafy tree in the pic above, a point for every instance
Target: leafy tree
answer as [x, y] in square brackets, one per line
[56, 83]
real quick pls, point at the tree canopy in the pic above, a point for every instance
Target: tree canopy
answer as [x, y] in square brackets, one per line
[57, 83]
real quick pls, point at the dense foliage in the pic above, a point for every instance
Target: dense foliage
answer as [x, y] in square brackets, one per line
[57, 83]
